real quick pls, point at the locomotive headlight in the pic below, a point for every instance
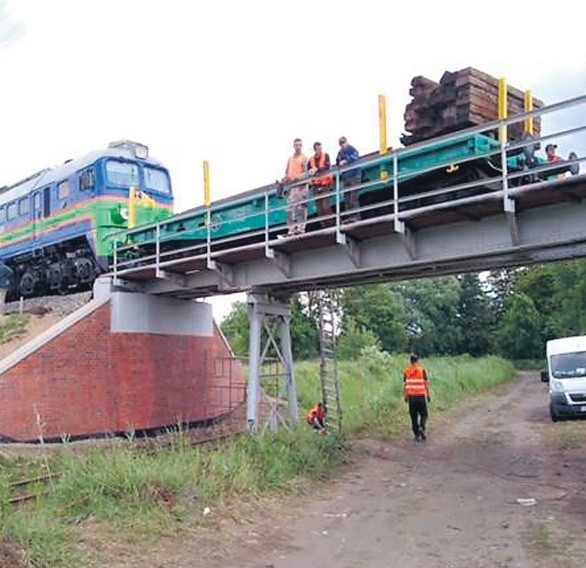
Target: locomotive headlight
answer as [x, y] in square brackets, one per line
[141, 151]
[124, 213]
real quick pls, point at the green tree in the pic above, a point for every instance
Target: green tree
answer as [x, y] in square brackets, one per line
[475, 317]
[540, 284]
[378, 309]
[303, 330]
[500, 284]
[519, 336]
[431, 308]
[558, 291]
[570, 308]
[236, 327]
[354, 339]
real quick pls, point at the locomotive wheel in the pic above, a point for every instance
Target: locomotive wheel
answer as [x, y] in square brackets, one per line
[83, 269]
[27, 284]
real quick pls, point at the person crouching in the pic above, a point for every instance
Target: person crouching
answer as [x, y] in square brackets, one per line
[316, 417]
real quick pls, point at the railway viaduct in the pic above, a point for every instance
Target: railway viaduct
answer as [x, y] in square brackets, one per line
[145, 352]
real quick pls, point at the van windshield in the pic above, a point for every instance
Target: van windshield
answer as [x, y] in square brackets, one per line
[568, 365]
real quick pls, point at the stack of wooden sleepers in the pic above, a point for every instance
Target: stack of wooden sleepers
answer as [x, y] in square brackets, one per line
[461, 99]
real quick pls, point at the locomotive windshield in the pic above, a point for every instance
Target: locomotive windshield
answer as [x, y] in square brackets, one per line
[122, 173]
[157, 180]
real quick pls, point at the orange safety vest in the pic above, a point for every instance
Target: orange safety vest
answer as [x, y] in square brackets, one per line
[315, 412]
[296, 166]
[414, 377]
[325, 180]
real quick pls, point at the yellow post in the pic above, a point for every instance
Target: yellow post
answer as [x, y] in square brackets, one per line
[131, 207]
[382, 130]
[502, 108]
[382, 123]
[206, 184]
[528, 107]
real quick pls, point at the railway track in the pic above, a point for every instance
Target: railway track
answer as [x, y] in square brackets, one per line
[30, 489]
[21, 489]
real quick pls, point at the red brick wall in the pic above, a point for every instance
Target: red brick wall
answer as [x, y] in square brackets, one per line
[88, 380]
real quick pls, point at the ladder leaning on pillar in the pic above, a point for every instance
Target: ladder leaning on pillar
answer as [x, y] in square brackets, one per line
[328, 359]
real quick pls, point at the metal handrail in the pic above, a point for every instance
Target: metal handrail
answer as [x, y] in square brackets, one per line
[391, 160]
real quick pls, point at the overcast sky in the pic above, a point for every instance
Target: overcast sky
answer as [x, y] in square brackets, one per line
[235, 81]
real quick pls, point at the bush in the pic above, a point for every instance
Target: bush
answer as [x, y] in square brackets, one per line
[375, 361]
[354, 339]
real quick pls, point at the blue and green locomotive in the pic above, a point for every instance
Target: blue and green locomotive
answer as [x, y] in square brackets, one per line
[58, 226]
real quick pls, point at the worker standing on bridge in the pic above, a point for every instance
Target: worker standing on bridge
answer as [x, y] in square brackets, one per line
[349, 178]
[321, 186]
[297, 196]
[416, 393]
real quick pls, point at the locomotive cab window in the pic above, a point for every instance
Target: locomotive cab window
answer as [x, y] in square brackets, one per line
[23, 206]
[63, 190]
[12, 212]
[87, 179]
[2, 215]
[122, 173]
[157, 180]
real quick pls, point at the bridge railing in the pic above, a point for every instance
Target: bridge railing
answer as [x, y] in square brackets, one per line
[259, 217]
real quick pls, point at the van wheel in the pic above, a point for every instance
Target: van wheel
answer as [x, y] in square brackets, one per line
[553, 415]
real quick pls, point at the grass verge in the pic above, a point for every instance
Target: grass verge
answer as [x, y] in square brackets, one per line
[144, 496]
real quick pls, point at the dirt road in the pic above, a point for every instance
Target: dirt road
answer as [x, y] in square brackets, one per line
[451, 502]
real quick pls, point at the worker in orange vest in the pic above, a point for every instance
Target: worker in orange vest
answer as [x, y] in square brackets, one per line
[316, 417]
[416, 393]
[297, 194]
[321, 186]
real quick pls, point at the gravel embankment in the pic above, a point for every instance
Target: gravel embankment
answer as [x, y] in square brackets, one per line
[59, 305]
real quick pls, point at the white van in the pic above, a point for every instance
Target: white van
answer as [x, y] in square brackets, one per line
[566, 373]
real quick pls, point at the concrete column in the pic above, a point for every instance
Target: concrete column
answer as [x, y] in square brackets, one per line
[254, 366]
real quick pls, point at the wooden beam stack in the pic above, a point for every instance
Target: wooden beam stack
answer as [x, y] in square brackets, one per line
[460, 100]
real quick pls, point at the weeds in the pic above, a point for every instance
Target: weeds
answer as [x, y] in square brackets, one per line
[12, 327]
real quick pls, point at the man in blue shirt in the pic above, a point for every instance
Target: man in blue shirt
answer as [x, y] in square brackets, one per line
[349, 178]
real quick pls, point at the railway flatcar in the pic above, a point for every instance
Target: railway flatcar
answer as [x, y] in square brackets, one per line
[449, 168]
[58, 226]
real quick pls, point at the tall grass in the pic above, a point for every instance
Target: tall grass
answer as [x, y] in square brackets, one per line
[371, 387]
[139, 496]
[142, 496]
